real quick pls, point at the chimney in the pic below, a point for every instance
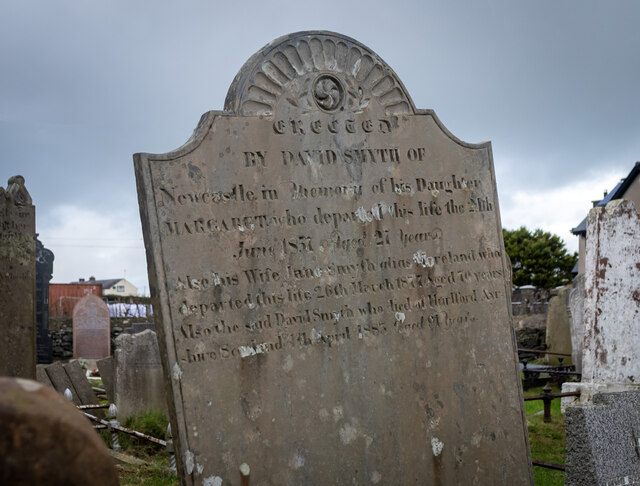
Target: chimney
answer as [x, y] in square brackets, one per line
[92, 279]
[81, 280]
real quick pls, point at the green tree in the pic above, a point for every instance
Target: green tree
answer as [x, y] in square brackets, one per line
[538, 258]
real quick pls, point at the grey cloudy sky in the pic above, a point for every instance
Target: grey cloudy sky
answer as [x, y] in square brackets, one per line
[554, 84]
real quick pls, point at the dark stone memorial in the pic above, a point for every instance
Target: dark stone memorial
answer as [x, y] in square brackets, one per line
[330, 285]
[17, 281]
[44, 272]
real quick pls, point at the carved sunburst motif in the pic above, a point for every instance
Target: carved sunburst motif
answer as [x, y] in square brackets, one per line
[317, 70]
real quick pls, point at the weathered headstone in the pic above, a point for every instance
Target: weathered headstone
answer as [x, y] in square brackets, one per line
[91, 328]
[558, 328]
[612, 283]
[139, 382]
[44, 272]
[60, 381]
[601, 426]
[46, 441]
[17, 281]
[330, 285]
[105, 367]
[576, 310]
[86, 395]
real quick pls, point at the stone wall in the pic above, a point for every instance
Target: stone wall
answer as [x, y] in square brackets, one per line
[61, 332]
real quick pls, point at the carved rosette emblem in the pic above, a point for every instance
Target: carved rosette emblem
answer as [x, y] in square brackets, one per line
[316, 71]
[328, 93]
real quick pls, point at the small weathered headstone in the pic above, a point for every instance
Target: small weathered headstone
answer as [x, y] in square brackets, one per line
[139, 382]
[84, 391]
[91, 328]
[558, 328]
[46, 441]
[105, 367]
[17, 281]
[330, 284]
[61, 381]
[44, 272]
[576, 310]
[42, 376]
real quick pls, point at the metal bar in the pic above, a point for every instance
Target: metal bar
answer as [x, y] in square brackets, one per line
[538, 351]
[549, 465]
[555, 395]
[87, 407]
[127, 431]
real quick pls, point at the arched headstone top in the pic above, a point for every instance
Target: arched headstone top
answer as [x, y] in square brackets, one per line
[316, 71]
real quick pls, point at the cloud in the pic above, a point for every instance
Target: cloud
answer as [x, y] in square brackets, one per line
[87, 242]
[557, 209]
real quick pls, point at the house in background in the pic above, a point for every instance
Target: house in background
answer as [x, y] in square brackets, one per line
[117, 287]
[627, 188]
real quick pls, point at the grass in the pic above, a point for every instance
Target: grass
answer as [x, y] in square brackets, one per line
[155, 471]
[547, 440]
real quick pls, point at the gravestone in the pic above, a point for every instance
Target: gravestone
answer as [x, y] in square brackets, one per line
[60, 380]
[17, 281]
[138, 383]
[44, 272]
[602, 424]
[576, 310]
[46, 441]
[105, 367]
[329, 283]
[558, 328]
[91, 328]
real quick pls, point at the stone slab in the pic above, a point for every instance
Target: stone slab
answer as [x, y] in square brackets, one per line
[91, 328]
[558, 328]
[105, 367]
[330, 283]
[17, 281]
[61, 381]
[576, 311]
[42, 377]
[138, 380]
[603, 440]
[612, 301]
[83, 388]
[46, 441]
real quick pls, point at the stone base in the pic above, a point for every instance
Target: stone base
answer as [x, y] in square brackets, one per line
[588, 390]
[603, 438]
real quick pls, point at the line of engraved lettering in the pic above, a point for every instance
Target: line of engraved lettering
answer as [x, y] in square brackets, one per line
[317, 126]
[191, 331]
[239, 223]
[420, 237]
[238, 193]
[447, 185]
[254, 159]
[337, 336]
[16, 276]
[207, 281]
[469, 256]
[298, 191]
[349, 156]
[251, 301]
[334, 269]
[456, 297]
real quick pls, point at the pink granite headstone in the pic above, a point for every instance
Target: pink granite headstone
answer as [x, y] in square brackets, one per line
[91, 328]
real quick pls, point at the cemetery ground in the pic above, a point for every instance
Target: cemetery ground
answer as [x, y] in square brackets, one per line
[547, 444]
